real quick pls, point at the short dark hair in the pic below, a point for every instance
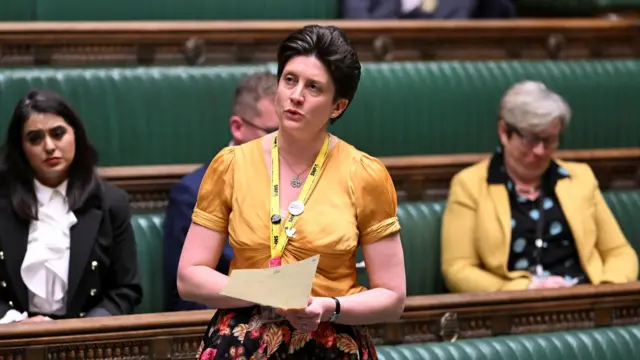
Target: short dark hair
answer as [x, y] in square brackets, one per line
[332, 48]
[251, 89]
[17, 175]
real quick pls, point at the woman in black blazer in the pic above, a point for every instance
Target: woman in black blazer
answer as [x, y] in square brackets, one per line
[67, 248]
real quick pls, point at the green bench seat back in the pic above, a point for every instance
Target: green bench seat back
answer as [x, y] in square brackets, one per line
[160, 115]
[123, 10]
[140, 116]
[420, 235]
[16, 10]
[625, 205]
[148, 231]
[620, 343]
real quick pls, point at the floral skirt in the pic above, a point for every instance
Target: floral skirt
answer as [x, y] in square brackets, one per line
[241, 334]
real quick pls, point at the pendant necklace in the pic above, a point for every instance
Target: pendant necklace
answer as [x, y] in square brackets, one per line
[295, 182]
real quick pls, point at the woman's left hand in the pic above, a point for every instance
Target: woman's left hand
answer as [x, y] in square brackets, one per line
[308, 318]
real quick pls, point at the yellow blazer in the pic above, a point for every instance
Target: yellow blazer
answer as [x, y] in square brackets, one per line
[476, 232]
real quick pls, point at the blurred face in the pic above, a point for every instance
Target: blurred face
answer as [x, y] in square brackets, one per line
[528, 154]
[304, 100]
[245, 130]
[49, 144]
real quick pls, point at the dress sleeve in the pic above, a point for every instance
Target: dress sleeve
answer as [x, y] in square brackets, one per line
[376, 200]
[214, 196]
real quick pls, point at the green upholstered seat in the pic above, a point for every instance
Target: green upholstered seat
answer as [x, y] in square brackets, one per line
[143, 115]
[102, 10]
[16, 10]
[620, 343]
[625, 205]
[164, 115]
[420, 235]
[148, 232]
[107, 10]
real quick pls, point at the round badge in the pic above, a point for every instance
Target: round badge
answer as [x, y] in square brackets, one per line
[290, 232]
[276, 219]
[296, 208]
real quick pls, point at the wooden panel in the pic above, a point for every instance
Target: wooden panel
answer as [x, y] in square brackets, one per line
[446, 317]
[416, 177]
[216, 42]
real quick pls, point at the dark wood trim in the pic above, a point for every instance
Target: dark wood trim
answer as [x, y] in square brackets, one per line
[416, 177]
[426, 319]
[217, 42]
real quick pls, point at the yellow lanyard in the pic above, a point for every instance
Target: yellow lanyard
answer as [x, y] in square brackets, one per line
[280, 235]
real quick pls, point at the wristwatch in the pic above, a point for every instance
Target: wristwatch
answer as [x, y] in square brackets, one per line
[336, 313]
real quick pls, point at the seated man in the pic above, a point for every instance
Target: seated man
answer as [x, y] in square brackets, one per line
[522, 220]
[427, 9]
[253, 116]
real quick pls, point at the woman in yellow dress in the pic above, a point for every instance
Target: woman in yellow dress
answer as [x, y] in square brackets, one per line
[289, 196]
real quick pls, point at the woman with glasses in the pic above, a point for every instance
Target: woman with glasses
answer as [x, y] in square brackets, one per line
[524, 220]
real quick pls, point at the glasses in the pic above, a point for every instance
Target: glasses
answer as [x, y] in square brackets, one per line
[532, 140]
[267, 130]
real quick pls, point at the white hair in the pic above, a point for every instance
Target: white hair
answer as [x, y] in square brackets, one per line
[531, 105]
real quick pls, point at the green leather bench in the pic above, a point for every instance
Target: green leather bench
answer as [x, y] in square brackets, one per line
[164, 115]
[420, 235]
[100, 10]
[105, 10]
[15, 10]
[148, 231]
[620, 343]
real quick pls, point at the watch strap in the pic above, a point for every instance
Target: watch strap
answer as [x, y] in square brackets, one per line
[336, 313]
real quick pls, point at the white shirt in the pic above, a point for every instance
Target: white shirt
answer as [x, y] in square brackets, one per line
[45, 268]
[410, 5]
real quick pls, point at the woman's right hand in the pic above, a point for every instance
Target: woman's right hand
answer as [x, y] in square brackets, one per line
[549, 282]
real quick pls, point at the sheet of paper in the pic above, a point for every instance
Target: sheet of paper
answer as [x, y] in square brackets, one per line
[286, 287]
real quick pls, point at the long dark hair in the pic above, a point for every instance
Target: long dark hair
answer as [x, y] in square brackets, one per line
[17, 175]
